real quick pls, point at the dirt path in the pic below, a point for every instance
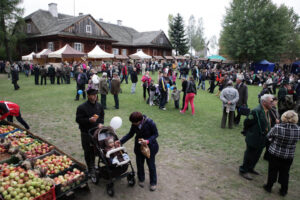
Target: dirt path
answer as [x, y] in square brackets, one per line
[185, 176]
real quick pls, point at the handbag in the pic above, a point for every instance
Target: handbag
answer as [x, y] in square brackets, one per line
[145, 150]
[244, 110]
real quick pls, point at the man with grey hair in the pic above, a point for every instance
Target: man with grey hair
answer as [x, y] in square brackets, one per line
[256, 127]
[229, 96]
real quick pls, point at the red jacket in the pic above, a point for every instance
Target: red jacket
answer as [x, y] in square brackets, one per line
[9, 108]
[124, 70]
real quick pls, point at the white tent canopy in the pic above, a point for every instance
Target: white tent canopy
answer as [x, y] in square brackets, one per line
[140, 55]
[28, 57]
[97, 52]
[43, 53]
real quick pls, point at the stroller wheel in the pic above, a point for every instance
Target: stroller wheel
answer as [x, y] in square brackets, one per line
[131, 180]
[110, 189]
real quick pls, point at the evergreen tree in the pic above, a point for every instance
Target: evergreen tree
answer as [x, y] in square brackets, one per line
[10, 26]
[257, 29]
[177, 35]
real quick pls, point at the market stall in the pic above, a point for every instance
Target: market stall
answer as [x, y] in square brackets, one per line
[28, 57]
[66, 53]
[42, 56]
[140, 55]
[33, 168]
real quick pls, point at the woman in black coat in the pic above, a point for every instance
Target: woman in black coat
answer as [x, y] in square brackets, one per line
[145, 132]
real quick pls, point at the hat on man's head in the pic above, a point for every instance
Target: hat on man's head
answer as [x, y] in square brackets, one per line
[104, 74]
[115, 73]
[92, 91]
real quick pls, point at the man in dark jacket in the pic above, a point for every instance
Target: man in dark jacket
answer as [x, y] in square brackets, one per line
[51, 72]
[243, 98]
[115, 88]
[81, 81]
[43, 73]
[184, 86]
[26, 68]
[68, 74]
[256, 127]
[134, 80]
[36, 71]
[89, 115]
[15, 76]
[212, 82]
[124, 73]
[163, 91]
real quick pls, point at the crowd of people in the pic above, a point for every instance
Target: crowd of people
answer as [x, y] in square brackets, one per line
[273, 124]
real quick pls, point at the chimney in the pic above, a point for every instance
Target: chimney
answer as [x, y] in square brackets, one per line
[80, 14]
[100, 19]
[119, 22]
[52, 7]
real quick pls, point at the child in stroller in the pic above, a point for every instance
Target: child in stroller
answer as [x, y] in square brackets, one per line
[112, 152]
[113, 160]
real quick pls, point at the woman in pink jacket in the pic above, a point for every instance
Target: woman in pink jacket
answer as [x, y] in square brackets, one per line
[146, 79]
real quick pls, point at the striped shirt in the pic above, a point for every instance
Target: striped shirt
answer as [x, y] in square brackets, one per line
[284, 137]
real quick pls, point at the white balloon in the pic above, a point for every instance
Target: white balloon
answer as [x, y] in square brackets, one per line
[116, 122]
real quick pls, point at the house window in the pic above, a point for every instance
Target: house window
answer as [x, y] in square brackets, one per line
[28, 28]
[161, 40]
[154, 52]
[88, 29]
[51, 46]
[139, 50]
[115, 51]
[124, 52]
[78, 46]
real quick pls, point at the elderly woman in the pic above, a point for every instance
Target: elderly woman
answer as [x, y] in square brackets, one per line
[284, 137]
[146, 133]
[229, 96]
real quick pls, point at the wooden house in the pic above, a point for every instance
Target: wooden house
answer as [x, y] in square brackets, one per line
[52, 30]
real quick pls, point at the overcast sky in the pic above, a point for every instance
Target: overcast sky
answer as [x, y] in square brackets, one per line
[148, 15]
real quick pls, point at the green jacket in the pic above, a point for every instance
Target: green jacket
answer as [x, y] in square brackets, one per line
[256, 127]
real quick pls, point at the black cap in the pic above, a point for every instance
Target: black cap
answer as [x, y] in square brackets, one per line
[92, 91]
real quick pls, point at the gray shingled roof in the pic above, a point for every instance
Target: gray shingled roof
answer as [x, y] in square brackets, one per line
[123, 34]
[129, 36]
[48, 25]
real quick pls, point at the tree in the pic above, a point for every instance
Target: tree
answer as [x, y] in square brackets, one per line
[213, 44]
[177, 35]
[191, 32]
[256, 29]
[195, 34]
[198, 41]
[10, 26]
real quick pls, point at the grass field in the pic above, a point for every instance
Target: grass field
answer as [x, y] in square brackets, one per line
[188, 144]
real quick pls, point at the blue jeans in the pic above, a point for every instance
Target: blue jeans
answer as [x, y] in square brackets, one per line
[140, 160]
[133, 88]
[203, 84]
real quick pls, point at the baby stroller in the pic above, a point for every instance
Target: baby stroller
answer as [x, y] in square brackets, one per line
[112, 163]
[156, 98]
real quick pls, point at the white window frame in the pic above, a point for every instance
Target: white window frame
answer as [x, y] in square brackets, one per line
[28, 28]
[139, 50]
[78, 46]
[124, 52]
[115, 51]
[88, 29]
[51, 46]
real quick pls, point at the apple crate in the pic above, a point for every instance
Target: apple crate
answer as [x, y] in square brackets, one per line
[50, 195]
[3, 135]
[72, 185]
[49, 154]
